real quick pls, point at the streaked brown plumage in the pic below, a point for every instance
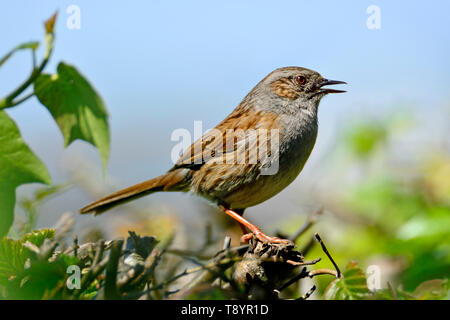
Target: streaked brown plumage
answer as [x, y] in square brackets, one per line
[220, 166]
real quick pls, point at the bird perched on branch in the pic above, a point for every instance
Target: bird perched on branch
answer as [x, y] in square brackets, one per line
[249, 157]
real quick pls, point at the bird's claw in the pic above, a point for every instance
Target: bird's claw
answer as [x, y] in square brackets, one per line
[265, 239]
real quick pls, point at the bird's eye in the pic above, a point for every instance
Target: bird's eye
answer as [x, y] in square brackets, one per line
[301, 80]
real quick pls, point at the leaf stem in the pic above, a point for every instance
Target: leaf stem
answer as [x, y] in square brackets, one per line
[33, 57]
[8, 101]
[15, 103]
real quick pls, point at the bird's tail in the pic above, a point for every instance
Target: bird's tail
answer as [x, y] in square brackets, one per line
[171, 181]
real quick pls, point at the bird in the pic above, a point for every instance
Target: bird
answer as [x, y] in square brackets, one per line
[276, 121]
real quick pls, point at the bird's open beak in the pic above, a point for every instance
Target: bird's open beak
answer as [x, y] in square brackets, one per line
[326, 82]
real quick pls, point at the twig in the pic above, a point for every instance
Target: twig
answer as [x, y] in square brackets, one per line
[305, 249]
[324, 248]
[236, 250]
[169, 281]
[308, 293]
[301, 275]
[393, 292]
[303, 263]
[47, 249]
[92, 274]
[226, 246]
[62, 226]
[99, 252]
[130, 276]
[210, 265]
[199, 252]
[111, 270]
[212, 270]
[308, 223]
[149, 265]
[318, 272]
[208, 236]
[226, 243]
[189, 253]
[75, 245]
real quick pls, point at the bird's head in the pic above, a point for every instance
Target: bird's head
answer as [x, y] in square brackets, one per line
[294, 83]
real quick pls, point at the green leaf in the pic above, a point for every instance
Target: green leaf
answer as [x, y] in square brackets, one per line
[33, 45]
[436, 289]
[76, 106]
[18, 165]
[12, 259]
[353, 285]
[37, 237]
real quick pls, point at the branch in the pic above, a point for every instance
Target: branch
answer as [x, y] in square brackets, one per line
[111, 270]
[308, 294]
[318, 272]
[324, 248]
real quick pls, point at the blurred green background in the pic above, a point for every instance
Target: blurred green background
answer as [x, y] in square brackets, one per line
[381, 166]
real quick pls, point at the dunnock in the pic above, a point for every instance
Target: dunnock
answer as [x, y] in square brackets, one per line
[219, 165]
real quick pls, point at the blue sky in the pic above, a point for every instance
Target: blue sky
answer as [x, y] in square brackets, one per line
[160, 65]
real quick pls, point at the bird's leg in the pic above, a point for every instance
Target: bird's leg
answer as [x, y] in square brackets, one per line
[241, 213]
[253, 229]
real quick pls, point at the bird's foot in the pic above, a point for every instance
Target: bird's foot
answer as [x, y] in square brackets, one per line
[246, 238]
[265, 239]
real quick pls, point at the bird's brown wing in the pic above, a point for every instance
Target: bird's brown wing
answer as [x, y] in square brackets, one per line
[227, 137]
[223, 140]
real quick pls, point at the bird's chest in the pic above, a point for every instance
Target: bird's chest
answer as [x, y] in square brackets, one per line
[295, 144]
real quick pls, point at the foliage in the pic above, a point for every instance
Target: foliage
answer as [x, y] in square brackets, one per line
[31, 207]
[352, 286]
[395, 213]
[76, 107]
[409, 213]
[12, 259]
[73, 103]
[18, 165]
[38, 267]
